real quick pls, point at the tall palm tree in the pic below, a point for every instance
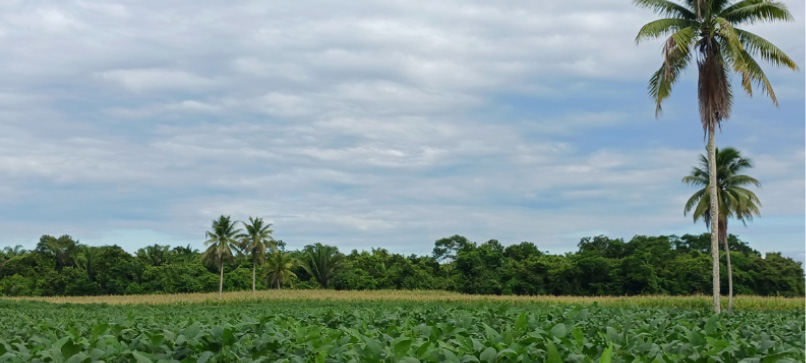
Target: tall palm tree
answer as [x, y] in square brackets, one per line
[321, 262]
[221, 239]
[733, 198]
[707, 29]
[279, 266]
[255, 242]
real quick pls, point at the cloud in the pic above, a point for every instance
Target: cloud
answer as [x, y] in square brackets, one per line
[379, 123]
[143, 80]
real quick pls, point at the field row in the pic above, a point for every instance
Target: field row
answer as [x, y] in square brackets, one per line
[688, 302]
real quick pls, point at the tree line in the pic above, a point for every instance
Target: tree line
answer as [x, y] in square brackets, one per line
[601, 266]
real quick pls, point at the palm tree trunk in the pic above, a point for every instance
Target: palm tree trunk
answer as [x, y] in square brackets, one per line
[253, 279]
[714, 215]
[221, 281]
[723, 235]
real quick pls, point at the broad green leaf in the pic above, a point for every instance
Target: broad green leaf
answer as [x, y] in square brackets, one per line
[228, 337]
[69, 348]
[488, 355]
[578, 336]
[204, 357]
[78, 358]
[553, 356]
[607, 354]
[402, 347]
[99, 329]
[711, 325]
[141, 357]
[522, 323]
[559, 330]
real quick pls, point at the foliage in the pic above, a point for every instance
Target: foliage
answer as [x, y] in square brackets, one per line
[255, 242]
[278, 269]
[644, 265]
[220, 241]
[321, 262]
[734, 199]
[300, 331]
[707, 30]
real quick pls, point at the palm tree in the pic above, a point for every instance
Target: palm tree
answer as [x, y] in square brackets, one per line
[255, 241]
[221, 239]
[154, 255]
[85, 260]
[734, 200]
[183, 254]
[707, 29]
[279, 266]
[321, 262]
[7, 253]
[13, 252]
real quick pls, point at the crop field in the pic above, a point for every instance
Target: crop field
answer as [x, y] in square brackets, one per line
[273, 296]
[342, 327]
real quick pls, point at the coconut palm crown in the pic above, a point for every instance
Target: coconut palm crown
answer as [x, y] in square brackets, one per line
[278, 266]
[733, 198]
[707, 30]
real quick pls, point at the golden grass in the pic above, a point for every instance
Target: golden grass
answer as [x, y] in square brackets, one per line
[693, 302]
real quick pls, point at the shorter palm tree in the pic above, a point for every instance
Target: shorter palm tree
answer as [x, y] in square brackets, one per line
[13, 252]
[85, 259]
[255, 242]
[734, 200]
[322, 262]
[221, 240]
[278, 266]
[154, 255]
[183, 254]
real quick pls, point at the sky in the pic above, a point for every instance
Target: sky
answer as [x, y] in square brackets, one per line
[366, 124]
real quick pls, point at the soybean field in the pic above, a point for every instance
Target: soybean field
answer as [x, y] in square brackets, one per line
[329, 330]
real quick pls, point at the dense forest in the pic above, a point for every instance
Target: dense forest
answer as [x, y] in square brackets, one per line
[601, 266]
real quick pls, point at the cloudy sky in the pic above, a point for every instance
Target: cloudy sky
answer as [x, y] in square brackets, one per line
[368, 124]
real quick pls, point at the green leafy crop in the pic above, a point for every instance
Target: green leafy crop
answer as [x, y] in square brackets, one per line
[306, 331]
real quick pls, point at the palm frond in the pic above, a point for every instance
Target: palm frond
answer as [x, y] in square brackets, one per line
[695, 180]
[739, 180]
[748, 195]
[667, 8]
[718, 6]
[732, 48]
[703, 209]
[757, 45]
[734, 200]
[755, 73]
[661, 27]
[691, 202]
[752, 11]
[677, 55]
